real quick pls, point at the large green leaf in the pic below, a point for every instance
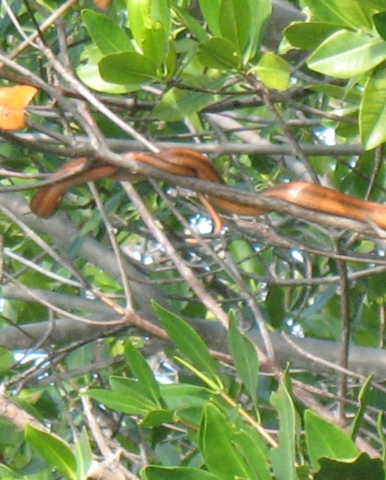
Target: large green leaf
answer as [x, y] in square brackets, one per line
[308, 36]
[138, 18]
[245, 256]
[235, 22]
[148, 14]
[372, 114]
[160, 13]
[143, 372]
[187, 341]
[380, 24]
[219, 53]
[273, 71]
[244, 358]
[6, 473]
[260, 15]
[275, 305]
[6, 360]
[283, 457]
[54, 450]
[362, 468]
[127, 68]
[177, 104]
[220, 456]
[83, 455]
[127, 397]
[255, 457]
[350, 13]
[210, 10]
[106, 33]
[324, 439]
[154, 44]
[178, 395]
[347, 54]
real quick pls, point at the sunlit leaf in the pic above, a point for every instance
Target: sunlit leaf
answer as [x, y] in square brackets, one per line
[348, 13]
[346, 54]
[187, 340]
[309, 36]
[372, 114]
[54, 451]
[127, 68]
[273, 71]
[221, 458]
[219, 53]
[325, 439]
[106, 33]
[210, 11]
[235, 22]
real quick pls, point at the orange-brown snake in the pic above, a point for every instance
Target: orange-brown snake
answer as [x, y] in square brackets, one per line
[185, 162]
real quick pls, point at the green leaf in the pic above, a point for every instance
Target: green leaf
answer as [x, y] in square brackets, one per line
[324, 439]
[6, 473]
[178, 104]
[273, 71]
[160, 13]
[210, 10]
[362, 468]
[244, 358]
[127, 397]
[219, 53]
[220, 456]
[347, 54]
[283, 457]
[372, 113]
[364, 400]
[138, 18]
[308, 36]
[54, 450]
[90, 75]
[83, 455]
[146, 14]
[275, 305]
[106, 33]
[348, 13]
[154, 44]
[254, 456]
[187, 341]
[380, 24]
[235, 22]
[143, 372]
[179, 395]
[157, 418]
[6, 360]
[192, 24]
[245, 256]
[176, 473]
[260, 14]
[127, 68]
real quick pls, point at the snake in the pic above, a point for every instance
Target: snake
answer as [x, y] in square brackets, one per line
[190, 163]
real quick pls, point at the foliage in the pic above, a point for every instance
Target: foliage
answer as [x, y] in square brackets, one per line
[134, 344]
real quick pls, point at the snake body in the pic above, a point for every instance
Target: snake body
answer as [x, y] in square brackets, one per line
[189, 163]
